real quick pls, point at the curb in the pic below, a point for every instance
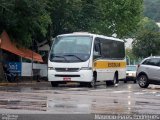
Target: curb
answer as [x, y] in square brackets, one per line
[14, 84]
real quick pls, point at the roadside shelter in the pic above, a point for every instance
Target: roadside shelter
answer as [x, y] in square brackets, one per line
[6, 44]
[10, 47]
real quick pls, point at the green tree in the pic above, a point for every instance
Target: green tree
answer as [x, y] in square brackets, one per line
[147, 24]
[131, 56]
[97, 16]
[147, 40]
[152, 9]
[24, 20]
[119, 16]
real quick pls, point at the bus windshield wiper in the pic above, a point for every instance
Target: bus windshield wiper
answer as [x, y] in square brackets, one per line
[60, 57]
[76, 57]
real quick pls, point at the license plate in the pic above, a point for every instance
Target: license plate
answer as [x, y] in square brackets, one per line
[67, 79]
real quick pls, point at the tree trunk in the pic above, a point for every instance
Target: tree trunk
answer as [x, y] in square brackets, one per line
[2, 77]
[1, 73]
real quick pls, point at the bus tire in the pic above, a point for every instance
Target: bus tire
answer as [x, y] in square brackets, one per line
[54, 84]
[109, 83]
[115, 79]
[92, 84]
[114, 82]
[83, 84]
[125, 81]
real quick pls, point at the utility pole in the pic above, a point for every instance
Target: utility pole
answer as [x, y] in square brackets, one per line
[128, 59]
[2, 76]
[32, 61]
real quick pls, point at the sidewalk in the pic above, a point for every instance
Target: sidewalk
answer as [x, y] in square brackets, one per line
[23, 82]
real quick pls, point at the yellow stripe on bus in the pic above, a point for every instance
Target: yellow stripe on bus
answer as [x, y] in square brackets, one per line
[109, 64]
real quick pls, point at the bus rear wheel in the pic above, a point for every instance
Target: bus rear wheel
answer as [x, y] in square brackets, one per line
[109, 83]
[54, 84]
[83, 84]
[114, 82]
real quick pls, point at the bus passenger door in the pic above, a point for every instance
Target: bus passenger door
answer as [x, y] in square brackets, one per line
[101, 52]
[96, 57]
[97, 50]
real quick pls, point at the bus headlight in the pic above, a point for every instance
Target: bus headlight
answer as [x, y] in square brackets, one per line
[51, 68]
[86, 68]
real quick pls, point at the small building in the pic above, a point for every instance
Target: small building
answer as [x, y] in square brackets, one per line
[20, 60]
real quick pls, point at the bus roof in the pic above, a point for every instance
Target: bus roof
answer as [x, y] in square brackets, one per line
[90, 34]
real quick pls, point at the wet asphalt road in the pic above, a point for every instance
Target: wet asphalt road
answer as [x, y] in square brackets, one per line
[41, 98]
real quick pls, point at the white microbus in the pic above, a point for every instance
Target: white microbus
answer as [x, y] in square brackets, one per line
[86, 58]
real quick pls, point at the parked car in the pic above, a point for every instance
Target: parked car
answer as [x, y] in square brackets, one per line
[148, 71]
[131, 73]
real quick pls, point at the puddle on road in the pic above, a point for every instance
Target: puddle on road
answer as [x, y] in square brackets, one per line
[68, 108]
[138, 93]
[156, 87]
[21, 96]
[115, 101]
[10, 89]
[122, 91]
[78, 89]
[146, 103]
[64, 106]
[75, 99]
[141, 103]
[23, 105]
[22, 100]
[109, 109]
[90, 104]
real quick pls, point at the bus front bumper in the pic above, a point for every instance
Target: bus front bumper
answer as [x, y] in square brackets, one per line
[81, 76]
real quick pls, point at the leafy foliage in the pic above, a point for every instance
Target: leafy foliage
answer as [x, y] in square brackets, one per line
[120, 17]
[152, 9]
[96, 16]
[40, 19]
[147, 44]
[24, 19]
[130, 56]
[147, 40]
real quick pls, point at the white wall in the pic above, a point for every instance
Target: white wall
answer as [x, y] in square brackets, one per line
[27, 69]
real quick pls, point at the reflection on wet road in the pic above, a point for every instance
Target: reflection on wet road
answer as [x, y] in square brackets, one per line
[41, 97]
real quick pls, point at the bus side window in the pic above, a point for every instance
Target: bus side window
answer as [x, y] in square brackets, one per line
[97, 49]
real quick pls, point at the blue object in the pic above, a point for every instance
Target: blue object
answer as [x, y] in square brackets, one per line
[15, 67]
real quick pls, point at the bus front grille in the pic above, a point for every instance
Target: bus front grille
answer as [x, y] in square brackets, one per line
[67, 75]
[67, 69]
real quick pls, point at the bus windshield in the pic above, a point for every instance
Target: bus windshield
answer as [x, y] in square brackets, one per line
[71, 49]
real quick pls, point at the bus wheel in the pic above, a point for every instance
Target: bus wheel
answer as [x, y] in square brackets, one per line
[125, 81]
[109, 83]
[92, 84]
[114, 82]
[54, 84]
[82, 84]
